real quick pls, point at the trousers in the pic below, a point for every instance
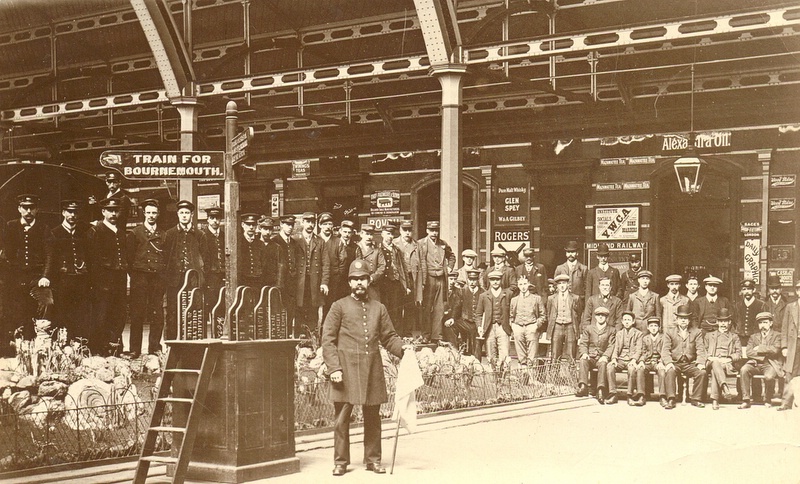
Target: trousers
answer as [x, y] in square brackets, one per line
[563, 334]
[341, 433]
[497, 344]
[585, 366]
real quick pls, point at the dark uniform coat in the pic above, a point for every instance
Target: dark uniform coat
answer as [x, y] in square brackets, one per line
[411, 260]
[183, 250]
[282, 264]
[597, 343]
[252, 270]
[593, 280]
[628, 283]
[508, 280]
[744, 317]
[69, 278]
[577, 277]
[789, 335]
[706, 316]
[350, 338]
[612, 303]
[777, 310]
[373, 255]
[311, 261]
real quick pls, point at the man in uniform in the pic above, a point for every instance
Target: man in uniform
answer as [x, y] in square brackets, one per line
[146, 262]
[367, 250]
[644, 303]
[347, 251]
[436, 259]
[670, 302]
[746, 310]
[184, 249]
[352, 331]
[629, 281]
[790, 347]
[334, 252]
[724, 352]
[776, 301]
[470, 259]
[509, 278]
[469, 311]
[411, 302]
[763, 357]
[108, 269]
[603, 269]
[252, 270]
[563, 323]
[282, 267]
[594, 351]
[214, 237]
[313, 270]
[68, 272]
[535, 272]
[684, 353]
[708, 306]
[265, 229]
[393, 285]
[607, 300]
[26, 241]
[115, 190]
[494, 327]
[576, 272]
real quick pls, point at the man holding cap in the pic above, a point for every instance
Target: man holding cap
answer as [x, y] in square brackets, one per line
[746, 310]
[790, 347]
[282, 267]
[252, 263]
[724, 352]
[214, 238]
[28, 259]
[184, 249]
[313, 270]
[500, 264]
[763, 358]
[351, 333]
[108, 268]
[393, 285]
[535, 272]
[670, 302]
[146, 261]
[562, 319]
[576, 272]
[603, 269]
[436, 258]
[644, 302]
[629, 281]
[708, 307]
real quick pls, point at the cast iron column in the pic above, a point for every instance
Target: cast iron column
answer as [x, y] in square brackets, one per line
[187, 109]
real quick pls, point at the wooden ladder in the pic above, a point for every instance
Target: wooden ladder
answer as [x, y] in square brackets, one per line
[182, 360]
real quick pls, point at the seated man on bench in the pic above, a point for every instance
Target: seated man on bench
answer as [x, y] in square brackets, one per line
[594, 351]
[684, 354]
[652, 344]
[763, 354]
[625, 355]
[724, 352]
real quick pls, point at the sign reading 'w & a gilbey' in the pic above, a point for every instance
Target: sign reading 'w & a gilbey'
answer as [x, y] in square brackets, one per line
[158, 165]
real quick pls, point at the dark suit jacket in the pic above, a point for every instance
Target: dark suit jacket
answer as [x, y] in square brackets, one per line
[467, 299]
[577, 277]
[282, 265]
[313, 264]
[651, 348]
[744, 318]
[593, 280]
[766, 350]
[633, 338]
[485, 311]
[537, 276]
[195, 245]
[777, 310]
[613, 304]
[252, 270]
[706, 316]
[68, 252]
[789, 332]
[373, 255]
[27, 261]
[215, 249]
[334, 251]
[107, 255]
[453, 306]
[508, 280]
[596, 343]
[145, 251]
[733, 347]
[552, 313]
[693, 347]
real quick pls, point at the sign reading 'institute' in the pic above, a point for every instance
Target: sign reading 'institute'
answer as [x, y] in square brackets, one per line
[159, 165]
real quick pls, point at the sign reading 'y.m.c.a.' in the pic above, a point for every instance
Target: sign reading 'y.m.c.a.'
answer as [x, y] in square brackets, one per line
[616, 223]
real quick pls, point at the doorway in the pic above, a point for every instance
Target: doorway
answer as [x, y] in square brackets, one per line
[563, 218]
[426, 200]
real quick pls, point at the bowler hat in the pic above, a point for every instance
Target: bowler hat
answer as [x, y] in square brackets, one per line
[185, 204]
[250, 218]
[765, 315]
[27, 199]
[724, 314]
[572, 246]
[684, 310]
[325, 217]
[111, 204]
[602, 249]
[561, 278]
[151, 202]
[748, 283]
[495, 275]
[774, 280]
[70, 205]
[358, 268]
[433, 225]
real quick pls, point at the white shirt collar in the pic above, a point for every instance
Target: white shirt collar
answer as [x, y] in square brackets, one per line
[24, 223]
[67, 227]
[110, 227]
[151, 228]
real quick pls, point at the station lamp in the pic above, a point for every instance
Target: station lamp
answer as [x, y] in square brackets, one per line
[689, 168]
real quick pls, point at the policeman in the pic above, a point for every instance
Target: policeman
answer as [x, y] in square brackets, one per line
[26, 253]
[146, 259]
[108, 269]
[252, 255]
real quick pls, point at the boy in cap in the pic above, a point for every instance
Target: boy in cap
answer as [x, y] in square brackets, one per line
[644, 302]
[108, 269]
[492, 314]
[670, 302]
[146, 261]
[282, 267]
[724, 352]
[763, 356]
[27, 257]
[454, 327]
[629, 281]
[214, 268]
[709, 305]
[526, 315]
[652, 345]
[500, 264]
[313, 273]
[535, 272]
[606, 299]
[594, 351]
[563, 323]
[684, 353]
[576, 272]
[469, 297]
[625, 354]
[602, 270]
[436, 258]
[184, 249]
[746, 309]
[790, 348]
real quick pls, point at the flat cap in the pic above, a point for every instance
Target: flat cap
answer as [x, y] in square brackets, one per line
[645, 274]
[452, 273]
[654, 320]
[432, 224]
[629, 313]
[151, 202]
[765, 315]
[602, 310]
[561, 278]
[185, 204]
[473, 273]
[325, 217]
[406, 224]
[358, 268]
[495, 275]
[498, 252]
[27, 199]
[469, 253]
[712, 280]
[674, 278]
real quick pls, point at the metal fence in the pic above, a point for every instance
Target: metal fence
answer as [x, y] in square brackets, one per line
[62, 435]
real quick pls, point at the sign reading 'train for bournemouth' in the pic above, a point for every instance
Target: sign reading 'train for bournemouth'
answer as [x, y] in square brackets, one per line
[158, 165]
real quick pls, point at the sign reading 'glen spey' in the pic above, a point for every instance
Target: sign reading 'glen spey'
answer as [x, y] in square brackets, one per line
[512, 204]
[159, 165]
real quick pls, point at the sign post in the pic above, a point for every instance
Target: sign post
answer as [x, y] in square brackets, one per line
[231, 188]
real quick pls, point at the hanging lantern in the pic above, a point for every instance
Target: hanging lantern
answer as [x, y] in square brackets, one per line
[690, 170]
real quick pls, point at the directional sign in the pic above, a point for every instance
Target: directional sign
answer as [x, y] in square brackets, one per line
[159, 165]
[239, 145]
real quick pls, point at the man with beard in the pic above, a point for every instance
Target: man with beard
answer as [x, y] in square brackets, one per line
[684, 353]
[393, 285]
[368, 251]
[411, 302]
[252, 255]
[184, 249]
[629, 281]
[347, 250]
[535, 272]
[352, 331]
[334, 252]
[707, 307]
[746, 310]
[576, 272]
[776, 301]
[68, 273]
[436, 259]
[763, 356]
[606, 300]
[312, 276]
[146, 261]
[214, 238]
[603, 269]
[670, 302]
[108, 269]
[282, 267]
[26, 240]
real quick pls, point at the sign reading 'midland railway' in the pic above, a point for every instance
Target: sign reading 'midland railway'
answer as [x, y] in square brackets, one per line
[157, 165]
